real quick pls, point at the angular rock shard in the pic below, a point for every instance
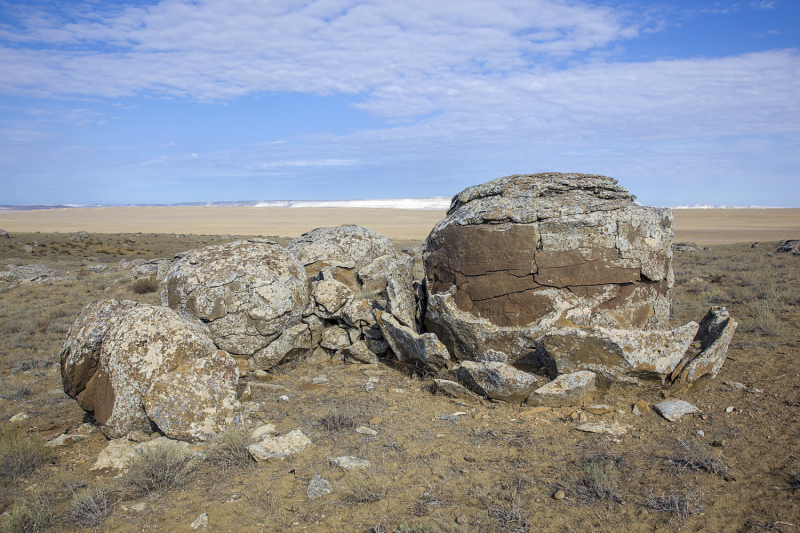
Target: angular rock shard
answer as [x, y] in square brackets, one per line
[674, 409]
[410, 347]
[272, 448]
[714, 335]
[566, 390]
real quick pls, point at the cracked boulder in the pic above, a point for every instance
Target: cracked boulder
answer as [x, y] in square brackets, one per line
[566, 390]
[247, 292]
[80, 351]
[197, 400]
[144, 343]
[518, 249]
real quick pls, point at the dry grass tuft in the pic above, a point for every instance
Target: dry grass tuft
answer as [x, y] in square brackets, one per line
[229, 451]
[91, 507]
[20, 455]
[695, 456]
[336, 421]
[145, 286]
[365, 489]
[158, 469]
[681, 505]
[30, 516]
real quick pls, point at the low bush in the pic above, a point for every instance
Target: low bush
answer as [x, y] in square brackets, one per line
[20, 455]
[145, 286]
[158, 469]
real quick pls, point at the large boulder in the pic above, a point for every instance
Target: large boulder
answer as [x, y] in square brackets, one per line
[141, 345]
[517, 249]
[247, 292]
[80, 351]
[197, 400]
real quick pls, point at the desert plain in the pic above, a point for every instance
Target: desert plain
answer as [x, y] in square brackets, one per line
[495, 467]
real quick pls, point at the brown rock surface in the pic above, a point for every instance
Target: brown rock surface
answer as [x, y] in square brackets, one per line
[514, 246]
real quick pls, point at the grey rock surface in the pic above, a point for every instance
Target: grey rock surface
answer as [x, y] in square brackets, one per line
[567, 389]
[247, 292]
[410, 347]
[674, 409]
[497, 380]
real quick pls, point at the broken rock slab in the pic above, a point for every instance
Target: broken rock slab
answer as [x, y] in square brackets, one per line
[674, 409]
[714, 334]
[497, 380]
[410, 347]
[119, 452]
[456, 390]
[293, 342]
[566, 390]
[278, 447]
[331, 297]
[359, 353]
[348, 462]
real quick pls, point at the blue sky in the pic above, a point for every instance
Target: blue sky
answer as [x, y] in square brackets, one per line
[683, 102]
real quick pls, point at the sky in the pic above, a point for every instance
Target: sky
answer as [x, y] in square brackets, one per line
[683, 102]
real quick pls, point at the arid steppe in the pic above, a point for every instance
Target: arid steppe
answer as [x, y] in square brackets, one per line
[702, 226]
[733, 466]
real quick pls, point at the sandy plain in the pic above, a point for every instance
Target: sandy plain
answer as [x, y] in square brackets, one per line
[704, 226]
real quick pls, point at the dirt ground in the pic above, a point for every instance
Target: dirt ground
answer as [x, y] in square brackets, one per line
[735, 466]
[702, 226]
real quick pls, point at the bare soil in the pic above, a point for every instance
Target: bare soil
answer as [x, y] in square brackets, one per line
[495, 468]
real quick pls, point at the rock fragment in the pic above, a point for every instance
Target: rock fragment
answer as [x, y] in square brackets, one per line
[673, 409]
[348, 462]
[615, 429]
[278, 447]
[566, 390]
[318, 487]
[410, 347]
[497, 380]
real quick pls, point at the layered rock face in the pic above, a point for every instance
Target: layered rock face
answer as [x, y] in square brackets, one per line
[521, 248]
[246, 292]
[560, 274]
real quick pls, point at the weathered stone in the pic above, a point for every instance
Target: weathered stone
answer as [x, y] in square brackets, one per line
[364, 430]
[331, 297]
[293, 342]
[201, 522]
[359, 353]
[315, 326]
[346, 246]
[686, 247]
[790, 247]
[80, 351]
[155, 268]
[497, 380]
[263, 431]
[278, 447]
[518, 247]
[359, 313]
[673, 409]
[401, 303]
[318, 487]
[455, 390]
[197, 400]
[599, 409]
[410, 347]
[398, 267]
[4, 233]
[615, 429]
[247, 292]
[640, 408]
[145, 343]
[377, 346]
[335, 338]
[714, 334]
[566, 390]
[36, 274]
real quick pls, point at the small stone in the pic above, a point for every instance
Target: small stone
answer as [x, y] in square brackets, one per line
[365, 430]
[284, 398]
[279, 447]
[673, 409]
[462, 520]
[319, 380]
[641, 408]
[736, 385]
[375, 421]
[262, 432]
[717, 443]
[567, 389]
[261, 375]
[559, 495]
[63, 440]
[599, 409]
[201, 522]
[348, 462]
[19, 417]
[616, 429]
[701, 433]
[730, 409]
[318, 487]
[469, 459]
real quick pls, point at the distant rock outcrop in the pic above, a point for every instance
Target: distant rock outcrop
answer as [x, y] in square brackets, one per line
[789, 247]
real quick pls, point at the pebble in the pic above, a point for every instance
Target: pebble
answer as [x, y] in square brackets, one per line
[318, 487]
[19, 417]
[348, 462]
[201, 522]
[641, 408]
[729, 409]
[319, 380]
[284, 398]
[559, 495]
[701, 432]
[674, 410]
[462, 520]
[364, 430]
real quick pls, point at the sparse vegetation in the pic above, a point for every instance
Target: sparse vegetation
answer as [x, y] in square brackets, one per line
[145, 285]
[229, 451]
[336, 421]
[21, 455]
[157, 469]
[91, 507]
[681, 505]
[696, 456]
[360, 488]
